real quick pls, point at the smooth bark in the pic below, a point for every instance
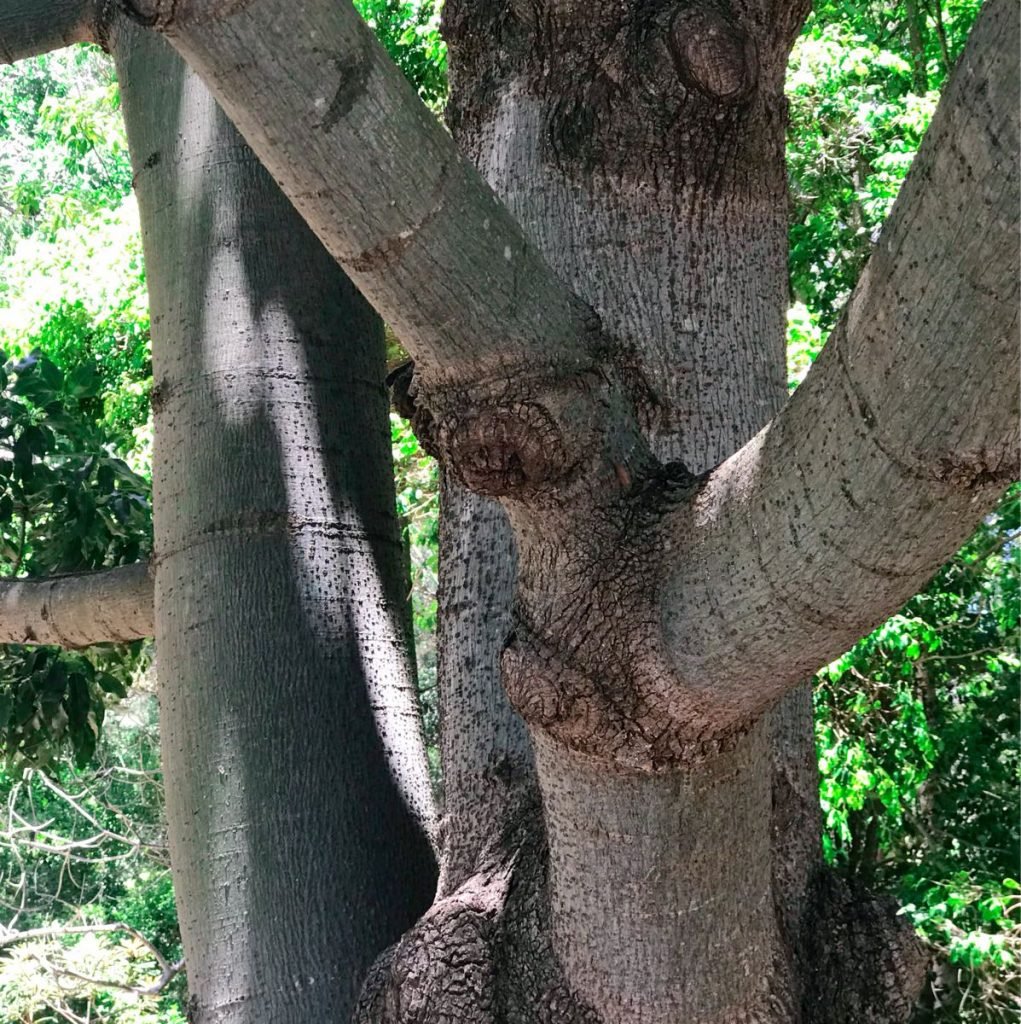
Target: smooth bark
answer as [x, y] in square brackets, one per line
[297, 798]
[32, 27]
[428, 244]
[109, 605]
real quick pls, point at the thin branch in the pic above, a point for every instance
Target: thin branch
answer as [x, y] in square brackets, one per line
[168, 970]
[79, 609]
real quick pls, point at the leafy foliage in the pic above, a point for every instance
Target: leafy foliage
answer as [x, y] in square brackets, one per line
[920, 761]
[64, 155]
[66, 503]
[410, 31]
[86, 901]
[418, 507]
[917, 724]
[863, 83]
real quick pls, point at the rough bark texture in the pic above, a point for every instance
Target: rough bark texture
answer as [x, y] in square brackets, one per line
[695, 896]
[673, 873]
[486, 755]
[903, 434]
[297, 797]
[111, 605]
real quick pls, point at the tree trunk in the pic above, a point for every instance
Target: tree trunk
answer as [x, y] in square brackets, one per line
[297, 795]
[590, 346]
[919, 72]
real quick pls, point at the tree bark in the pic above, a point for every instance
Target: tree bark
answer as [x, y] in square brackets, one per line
[428, 244]
[640, 149]
[32, 27]
[297, 796]
[903, 434]
[110, 605]
[919, 72]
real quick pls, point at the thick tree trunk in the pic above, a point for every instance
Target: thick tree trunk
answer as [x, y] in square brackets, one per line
[589, 349]
[297, 795]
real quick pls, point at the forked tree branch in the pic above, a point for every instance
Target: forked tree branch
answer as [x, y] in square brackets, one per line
[31, 27]
[109, 605]
[903, 435]
[382, 184]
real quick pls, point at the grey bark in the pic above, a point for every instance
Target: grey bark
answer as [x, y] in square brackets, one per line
[110, 605]
[641, 921]
[640, 149]
[428, 244]
[485, 752]
[903, 434]
[297, 796]
[31, 27]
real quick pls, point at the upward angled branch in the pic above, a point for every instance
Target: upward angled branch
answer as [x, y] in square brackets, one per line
[904, 433]
[109, 605]
[381, 183]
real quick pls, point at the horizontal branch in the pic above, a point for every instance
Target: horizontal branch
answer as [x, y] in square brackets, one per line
[109, 605]
[32, 27]
[903, 435]
[381, 183]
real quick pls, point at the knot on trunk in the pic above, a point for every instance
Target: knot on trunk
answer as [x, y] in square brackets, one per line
[714, 55]
[164, 15]
[623, 707]
[506, 451]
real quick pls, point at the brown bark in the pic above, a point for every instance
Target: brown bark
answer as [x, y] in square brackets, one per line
[110, 605]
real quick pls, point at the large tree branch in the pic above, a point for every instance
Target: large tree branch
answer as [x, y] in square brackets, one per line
[110, 605]
[381, 183]
[31, 27]
[903, 435]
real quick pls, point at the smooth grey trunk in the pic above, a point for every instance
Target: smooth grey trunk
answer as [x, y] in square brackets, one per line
[78, 609]
[433, 251]
[297, 797]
